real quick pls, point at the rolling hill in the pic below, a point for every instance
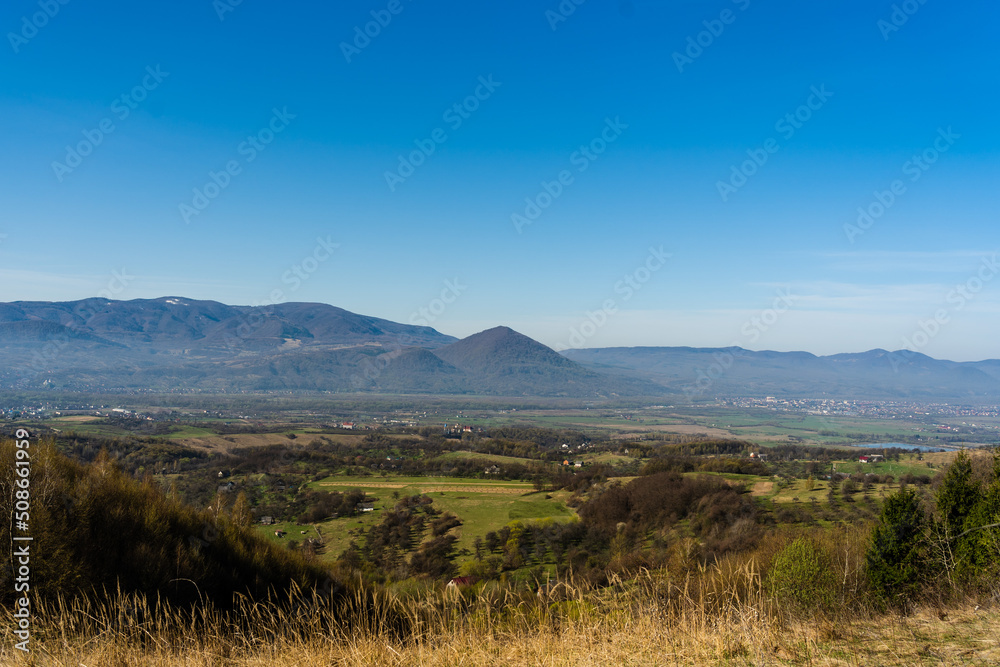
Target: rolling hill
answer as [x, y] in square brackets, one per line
[508, 363]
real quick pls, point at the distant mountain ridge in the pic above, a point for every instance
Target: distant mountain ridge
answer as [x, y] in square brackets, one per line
[180, 344]
[734, 371]
[180, 323]
[175, 343]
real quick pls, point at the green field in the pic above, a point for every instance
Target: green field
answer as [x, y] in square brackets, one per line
[482, 504]
[760, 426]
[191, 432]
[89, 429]
[294, 532]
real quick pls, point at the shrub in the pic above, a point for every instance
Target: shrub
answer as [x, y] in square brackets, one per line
[801, 577]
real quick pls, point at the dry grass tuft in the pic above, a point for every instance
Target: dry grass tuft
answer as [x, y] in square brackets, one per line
[648, 620]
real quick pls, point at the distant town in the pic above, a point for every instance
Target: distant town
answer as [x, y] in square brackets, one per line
[875, 409]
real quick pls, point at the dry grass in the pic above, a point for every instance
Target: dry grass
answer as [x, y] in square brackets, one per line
[650, 620]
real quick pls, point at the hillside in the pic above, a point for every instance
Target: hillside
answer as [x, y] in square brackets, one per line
[502, 361]
[96, 529]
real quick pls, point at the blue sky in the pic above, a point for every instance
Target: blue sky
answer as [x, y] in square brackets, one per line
[738, 137]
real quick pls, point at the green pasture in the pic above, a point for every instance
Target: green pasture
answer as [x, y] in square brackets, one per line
[191, 432]
[482, 504]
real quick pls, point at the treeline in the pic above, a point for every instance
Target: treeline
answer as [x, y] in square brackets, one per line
[716, 455]
[580, 480]
[715, 447]
[680, 464]
[624, 528]
[504, 447]
[135, 456]
[542, 437]
[323, 505]
[710, 506]
[939, 545]
[395, 549]
[795, 452]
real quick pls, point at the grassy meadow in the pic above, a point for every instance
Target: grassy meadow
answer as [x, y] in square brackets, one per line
[649, 620]
[482, 505]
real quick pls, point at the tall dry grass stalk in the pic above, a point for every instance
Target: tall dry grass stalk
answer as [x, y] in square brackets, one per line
[720, 616]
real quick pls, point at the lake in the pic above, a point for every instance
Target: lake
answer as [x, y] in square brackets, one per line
[901, 445]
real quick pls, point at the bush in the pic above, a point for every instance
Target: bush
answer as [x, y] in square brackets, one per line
[801, 577]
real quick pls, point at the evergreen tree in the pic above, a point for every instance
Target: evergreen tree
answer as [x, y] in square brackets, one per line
[956, 498]
[895, 558]
[958, 494]
[979, 547]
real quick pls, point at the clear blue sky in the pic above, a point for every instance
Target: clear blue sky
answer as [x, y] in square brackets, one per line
[183, 85]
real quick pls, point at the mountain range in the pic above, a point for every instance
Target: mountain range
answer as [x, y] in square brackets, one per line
[734, 371]
[180, 344]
